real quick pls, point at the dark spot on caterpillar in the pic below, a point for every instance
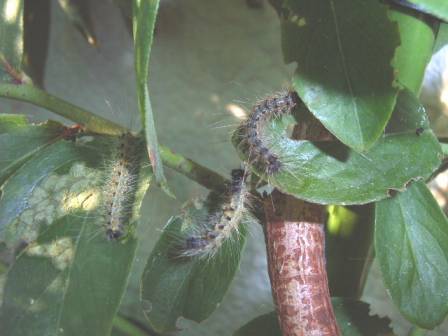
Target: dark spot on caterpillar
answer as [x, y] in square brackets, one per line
[212, 235]
[274, 166]
[419, 131]
[195, 243]
[113, 234]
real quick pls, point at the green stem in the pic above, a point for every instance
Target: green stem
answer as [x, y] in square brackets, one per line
[127, 327]
[191, 169]
[35, 96]
[202, 175]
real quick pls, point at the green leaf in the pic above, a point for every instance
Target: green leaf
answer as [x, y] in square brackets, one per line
[124, 326]
[348, 248]
[327, 172]
[354, 319]
[411, 244]
[77, 11]
[192, 288]
[18, 190]
[71, 280]
[9, 122]
[72, 277]
[11, 40]
[264, 325]
[442, 37]
[145, 14]
[437, 8]
[352, 316]
[19, 141]
[410, 62]
[343, 51]
[63, 177]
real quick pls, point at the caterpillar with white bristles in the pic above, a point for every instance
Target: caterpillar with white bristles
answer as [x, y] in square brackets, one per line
[121, 186]
[226, 211]
[251, 131]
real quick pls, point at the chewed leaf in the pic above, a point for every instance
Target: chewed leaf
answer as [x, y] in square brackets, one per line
[19, 141]
[328, 172]
[56, 203]
[20, 193]
[411, 243]
[47, 200]
[343, 51]
[71, 279]
[352, 316]
[191, 286]
[61, 178]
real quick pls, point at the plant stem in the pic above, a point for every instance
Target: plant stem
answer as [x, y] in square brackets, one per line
[296, 257]
[295, 242]
[35, 96]
[30, 94]
[202, 175]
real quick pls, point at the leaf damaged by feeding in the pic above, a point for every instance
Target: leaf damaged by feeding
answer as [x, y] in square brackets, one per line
[54, 197]
[46, 285]
[328, 172]
[344, 74]
[71, 175]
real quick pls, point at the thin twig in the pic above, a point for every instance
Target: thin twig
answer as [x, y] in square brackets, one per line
[91, 122]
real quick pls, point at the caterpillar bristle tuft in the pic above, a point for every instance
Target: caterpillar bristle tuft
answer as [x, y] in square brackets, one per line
[226, 210]
[121, 185]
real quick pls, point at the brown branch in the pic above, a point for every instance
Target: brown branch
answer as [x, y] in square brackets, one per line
[295, 242]
[296, 257]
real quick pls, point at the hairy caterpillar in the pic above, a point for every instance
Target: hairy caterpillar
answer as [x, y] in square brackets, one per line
[121, 186]
[221, 223]
[263, 112]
